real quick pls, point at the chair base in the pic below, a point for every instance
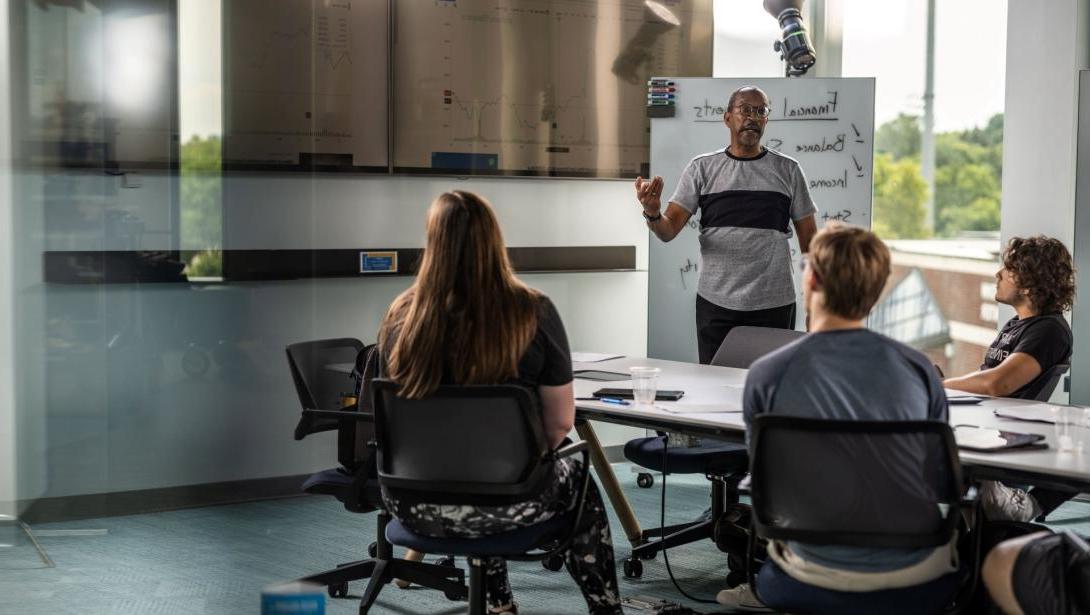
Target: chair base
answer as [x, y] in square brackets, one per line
[384, 568]
[449, 580]
[337, 579]
[723, 495]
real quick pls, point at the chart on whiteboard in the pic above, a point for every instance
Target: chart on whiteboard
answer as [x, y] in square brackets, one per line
[525, 88]
[305, 80]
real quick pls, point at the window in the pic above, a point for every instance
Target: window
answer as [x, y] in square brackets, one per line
[201, 129]
[955, 241]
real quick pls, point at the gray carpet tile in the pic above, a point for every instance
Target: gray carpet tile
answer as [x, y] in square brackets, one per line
[216, 560]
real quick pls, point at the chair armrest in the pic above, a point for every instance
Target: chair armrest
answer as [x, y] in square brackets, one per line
[570, 449]
[580, 499]
[341, 415]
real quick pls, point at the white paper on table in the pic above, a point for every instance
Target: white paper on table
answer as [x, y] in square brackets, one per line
[1038, 413]
[593, 357]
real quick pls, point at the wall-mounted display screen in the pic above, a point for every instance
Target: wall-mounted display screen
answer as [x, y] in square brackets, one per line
[536, 87]
[305, 84]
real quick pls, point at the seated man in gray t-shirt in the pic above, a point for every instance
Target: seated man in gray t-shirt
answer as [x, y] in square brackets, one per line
[845, 371]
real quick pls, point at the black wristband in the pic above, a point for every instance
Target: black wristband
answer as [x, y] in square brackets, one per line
[654, 218]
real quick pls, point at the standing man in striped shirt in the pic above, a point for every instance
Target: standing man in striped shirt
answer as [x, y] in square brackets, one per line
[749, 197]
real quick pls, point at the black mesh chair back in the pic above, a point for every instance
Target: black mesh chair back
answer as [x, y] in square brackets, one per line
[321, 388]
[470, 445]
[1042, 387]
[892, 484]
[744, 345]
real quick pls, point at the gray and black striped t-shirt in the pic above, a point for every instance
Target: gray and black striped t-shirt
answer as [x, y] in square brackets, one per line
[746, 208]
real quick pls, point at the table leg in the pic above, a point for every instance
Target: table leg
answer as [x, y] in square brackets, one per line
[610, 485]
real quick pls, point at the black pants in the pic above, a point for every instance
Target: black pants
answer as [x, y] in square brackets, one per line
[714, 322]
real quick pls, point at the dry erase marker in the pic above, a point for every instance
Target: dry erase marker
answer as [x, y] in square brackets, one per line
[653, 101]
[654, 95]
[660, 83]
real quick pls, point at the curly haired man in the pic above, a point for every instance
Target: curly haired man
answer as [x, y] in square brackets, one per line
[1038, 281]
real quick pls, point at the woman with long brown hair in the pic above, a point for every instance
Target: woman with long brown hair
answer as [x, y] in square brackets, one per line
[468, 320]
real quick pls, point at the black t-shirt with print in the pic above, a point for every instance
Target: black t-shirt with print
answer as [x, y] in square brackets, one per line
[1046, 338]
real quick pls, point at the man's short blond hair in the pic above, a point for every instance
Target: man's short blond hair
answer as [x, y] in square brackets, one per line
[852, 265]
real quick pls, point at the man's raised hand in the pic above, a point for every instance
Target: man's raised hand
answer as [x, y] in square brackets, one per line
[648, 193]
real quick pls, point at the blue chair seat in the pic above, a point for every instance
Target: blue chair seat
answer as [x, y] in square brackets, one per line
[783, 593]
[494, 545]
[338, 483]
[711, 457]
[328, 482]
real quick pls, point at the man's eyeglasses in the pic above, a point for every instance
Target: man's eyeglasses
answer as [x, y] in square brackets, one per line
[751, 111]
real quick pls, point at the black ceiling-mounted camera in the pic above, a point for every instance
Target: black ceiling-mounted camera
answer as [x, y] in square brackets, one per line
[794, 44]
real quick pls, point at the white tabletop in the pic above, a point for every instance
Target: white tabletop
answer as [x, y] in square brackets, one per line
[713, 400]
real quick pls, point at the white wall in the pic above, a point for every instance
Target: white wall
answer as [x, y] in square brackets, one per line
[8, 440]
[1046, 47]
[105, 401]
[1080, 314]
[601, 311]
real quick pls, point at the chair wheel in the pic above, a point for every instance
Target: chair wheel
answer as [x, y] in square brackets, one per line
[447, 561]
[455, 595]
[633, 568]
[338, 590]
[645, 480]
[553, 564]
[372, 549]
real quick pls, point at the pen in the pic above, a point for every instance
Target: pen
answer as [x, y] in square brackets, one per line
[613, 400]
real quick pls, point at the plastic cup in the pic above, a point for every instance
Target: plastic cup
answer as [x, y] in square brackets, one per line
[644, 384]
[1069, 423]
[1082, 432]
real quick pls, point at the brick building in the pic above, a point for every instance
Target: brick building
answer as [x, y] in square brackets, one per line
[941, 299]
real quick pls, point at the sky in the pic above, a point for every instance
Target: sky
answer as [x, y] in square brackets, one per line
[882, 39]
[886, 39]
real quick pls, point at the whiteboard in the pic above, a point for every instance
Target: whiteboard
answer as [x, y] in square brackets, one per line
[825, 124]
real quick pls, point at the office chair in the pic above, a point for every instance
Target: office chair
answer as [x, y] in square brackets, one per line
[1042, 387]
[354, 483]
[744, 345]
[430, 450]
[724, 463]
[840, 486]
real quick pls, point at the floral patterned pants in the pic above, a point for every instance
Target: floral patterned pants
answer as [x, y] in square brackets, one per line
[589, 558]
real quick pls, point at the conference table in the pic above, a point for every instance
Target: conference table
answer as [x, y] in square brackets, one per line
[712, 408]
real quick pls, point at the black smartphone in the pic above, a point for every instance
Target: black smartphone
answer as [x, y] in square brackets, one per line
[627, 394]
